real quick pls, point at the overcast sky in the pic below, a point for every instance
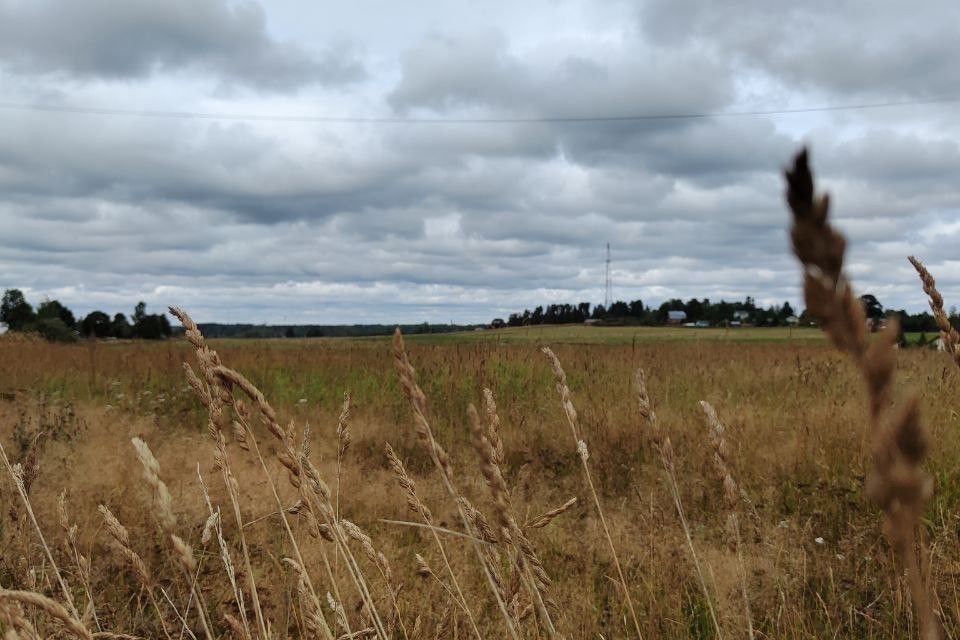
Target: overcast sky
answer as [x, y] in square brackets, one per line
[339, 222]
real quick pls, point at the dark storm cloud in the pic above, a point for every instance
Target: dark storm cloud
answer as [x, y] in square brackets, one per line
[133, 39]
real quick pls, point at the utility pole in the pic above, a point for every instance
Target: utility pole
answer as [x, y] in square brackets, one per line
[607, 286]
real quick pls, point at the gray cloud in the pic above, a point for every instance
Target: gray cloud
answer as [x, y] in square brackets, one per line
[266, 221]
[480, 71]
[132, 39]
[882, 49]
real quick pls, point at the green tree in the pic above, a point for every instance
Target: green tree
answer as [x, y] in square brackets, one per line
[53, 309]
[785, 312]
[96, 324]
[53, 329]
[15, 311]
[619, 309]
[139, 312]
[873, 309]
[872, 306]
[120, 327]
[152, 327]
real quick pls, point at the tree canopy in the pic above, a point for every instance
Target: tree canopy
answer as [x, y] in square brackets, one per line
[54, 321]
[15, 311]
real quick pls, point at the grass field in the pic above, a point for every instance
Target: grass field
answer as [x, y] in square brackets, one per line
[584, 334]
[811, 562]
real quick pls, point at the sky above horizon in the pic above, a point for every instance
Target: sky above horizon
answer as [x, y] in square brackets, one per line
[290, 221]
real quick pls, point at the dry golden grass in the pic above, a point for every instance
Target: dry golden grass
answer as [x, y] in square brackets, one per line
[949, 337]
[795, 431]
[583, 499]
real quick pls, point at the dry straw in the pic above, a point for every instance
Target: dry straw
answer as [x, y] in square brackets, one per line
[315, 495]
[532, 572]
[547, 517]
[897, 482]
[664, 447]
[50, 607]
[81, 562]
[15, 623]
[163, 511]
[949, 337]
[122, 538]
[441, 461]
[16, 474]
[344, 439]
[731, 495]
[571, 414]
[408, 486]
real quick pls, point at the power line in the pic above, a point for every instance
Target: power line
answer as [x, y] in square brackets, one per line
[254, 117]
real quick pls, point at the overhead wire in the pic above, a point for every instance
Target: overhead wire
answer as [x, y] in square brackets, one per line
[420, 120]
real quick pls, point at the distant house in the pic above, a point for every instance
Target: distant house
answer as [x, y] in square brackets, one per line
[3, 328]
[591, 321]
[676, 317]
[793, 321]
[741, 315]
[702, 324]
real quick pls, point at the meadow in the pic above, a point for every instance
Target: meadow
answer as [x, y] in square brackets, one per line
[813, 553]
[562, 482]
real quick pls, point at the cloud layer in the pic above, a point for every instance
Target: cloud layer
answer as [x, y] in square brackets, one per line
[272, 221]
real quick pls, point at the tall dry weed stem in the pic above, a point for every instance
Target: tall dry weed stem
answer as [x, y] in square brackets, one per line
[52, 608]
[949, 337]
[441, 461]
[570, 413]
[897, 481]
[532, 573]
[664, 447]
[731, 495]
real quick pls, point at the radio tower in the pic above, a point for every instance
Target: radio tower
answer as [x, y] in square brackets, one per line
[607, 287]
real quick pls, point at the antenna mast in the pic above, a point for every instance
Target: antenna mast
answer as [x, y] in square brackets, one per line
[607, 287]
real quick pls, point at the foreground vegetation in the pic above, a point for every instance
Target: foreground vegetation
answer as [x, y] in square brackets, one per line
[655, 488]
[812, 546]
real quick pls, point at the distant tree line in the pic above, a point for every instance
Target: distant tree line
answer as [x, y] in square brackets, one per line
[54, 321]
[636, 312]
[695, 310]
[218, 330]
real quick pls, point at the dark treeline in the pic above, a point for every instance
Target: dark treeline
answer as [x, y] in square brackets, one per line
[636, 312]
[217, 330]
[694, 310]
[54, 321]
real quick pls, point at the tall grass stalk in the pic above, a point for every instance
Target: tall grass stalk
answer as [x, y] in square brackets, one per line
[581, 447]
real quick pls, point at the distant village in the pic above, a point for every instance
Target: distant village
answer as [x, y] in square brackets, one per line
[695, 313]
